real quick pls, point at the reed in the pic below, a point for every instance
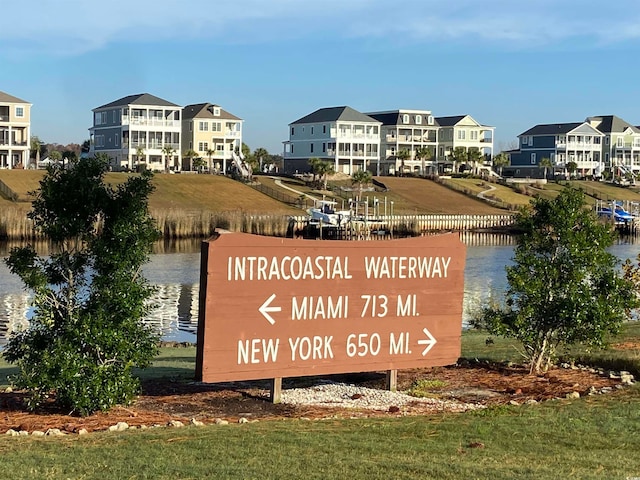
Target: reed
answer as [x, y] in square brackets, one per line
[180, 223]
[14, 225]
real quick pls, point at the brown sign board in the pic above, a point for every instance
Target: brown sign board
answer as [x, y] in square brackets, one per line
[274, 307]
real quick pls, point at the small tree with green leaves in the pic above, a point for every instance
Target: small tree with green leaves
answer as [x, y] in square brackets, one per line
[86, 334]
[190, 155]
[321, 168]
[546, 163]
[500, 161]
[424, 155]
[361, 179]
[564, 287]
[403, 156]
[168, 152]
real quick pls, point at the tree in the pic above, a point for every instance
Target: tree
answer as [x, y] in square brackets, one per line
[572, 167]
[459, 155]
[209, 153]
[86, 333]
[190, 155]
[474, 157]
[140, 157]
[321, 168]
[546, 163]
[168, 152]
[501, 160]
[361, 178]
[261, 156]
[55, 156]
[403, 155]
[36, 144]
[563, 287]
[198, 163]
[423, 154]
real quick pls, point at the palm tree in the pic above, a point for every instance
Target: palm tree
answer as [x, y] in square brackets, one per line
[139, 154]
[474, 156]
[501, 160]
[403, 155]
[361, 178]
[190, 155]
[546, 163]
[423, 154]
[209, 153]
[322, 168]
[571, 168]
[260, 154]
[168, 152]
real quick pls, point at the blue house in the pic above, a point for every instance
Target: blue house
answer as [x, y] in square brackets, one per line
[561, 143]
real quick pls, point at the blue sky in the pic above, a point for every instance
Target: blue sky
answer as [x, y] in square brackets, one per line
[508, 63]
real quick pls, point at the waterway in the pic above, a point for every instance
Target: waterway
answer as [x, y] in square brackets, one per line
[175, 270]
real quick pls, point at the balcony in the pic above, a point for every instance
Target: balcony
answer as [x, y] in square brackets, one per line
[231, 133]
[627, 146]
[150, 122]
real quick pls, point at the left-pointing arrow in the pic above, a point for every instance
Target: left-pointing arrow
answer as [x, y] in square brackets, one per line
[266, 309]
[430, 341]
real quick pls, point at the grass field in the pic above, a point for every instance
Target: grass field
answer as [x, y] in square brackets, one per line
[589, 438]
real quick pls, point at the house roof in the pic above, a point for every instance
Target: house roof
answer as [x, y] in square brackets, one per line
[449, 121]
[205, 110]
[6, 98]
[138, 99]
[332, 114]
[552, 128]
[611, 124]
[395, 117]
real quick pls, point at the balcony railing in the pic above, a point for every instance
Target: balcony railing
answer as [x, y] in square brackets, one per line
[151, 122]
[627, 145]
[578, 145]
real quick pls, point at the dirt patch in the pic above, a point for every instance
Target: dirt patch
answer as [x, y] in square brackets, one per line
[163, 401]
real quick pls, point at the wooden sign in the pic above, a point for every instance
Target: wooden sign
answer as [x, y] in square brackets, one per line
[274, 307]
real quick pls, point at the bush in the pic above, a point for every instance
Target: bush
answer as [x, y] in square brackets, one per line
[86, 334]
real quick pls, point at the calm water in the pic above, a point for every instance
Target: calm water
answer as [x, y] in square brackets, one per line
[175, 269]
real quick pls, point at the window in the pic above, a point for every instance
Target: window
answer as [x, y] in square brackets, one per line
[216, 111]
[620, 142]
[203, 126]
[405, 118]
[311, 130]
[606, 140]
[219, 147]
[19, 111]
[553, 159]
[113, 117]
[474, 135]
[324, 129]
[203, 146]
[430, 119]
[462, 134]
[216, 126]
[533, 159]
[117, 138]
[418, 119]
[324, 147]
[291, 148]
[311, 149]
[293, 131]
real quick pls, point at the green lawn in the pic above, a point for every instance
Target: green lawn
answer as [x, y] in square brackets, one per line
[592, 437]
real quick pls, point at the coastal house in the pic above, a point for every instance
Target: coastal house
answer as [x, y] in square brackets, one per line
[15, 132]
[138, 131]
[412, 133]
[342, 135]
[463, 131]
[620, 148]
[562, 143]
[213, 133]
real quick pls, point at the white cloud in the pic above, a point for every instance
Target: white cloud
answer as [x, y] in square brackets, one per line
[70, 27]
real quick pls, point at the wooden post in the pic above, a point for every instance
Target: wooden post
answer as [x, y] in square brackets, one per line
[392, 380]
[275, 395]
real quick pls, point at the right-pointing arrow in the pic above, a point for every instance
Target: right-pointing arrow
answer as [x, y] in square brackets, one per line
[429, 342]
[265, 309]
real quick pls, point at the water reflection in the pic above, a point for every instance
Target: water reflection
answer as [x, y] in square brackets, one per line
[175, 270]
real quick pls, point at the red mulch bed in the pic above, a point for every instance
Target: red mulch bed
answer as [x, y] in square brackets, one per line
[162, 402]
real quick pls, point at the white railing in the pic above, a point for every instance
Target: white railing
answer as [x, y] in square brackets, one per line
[151, 122]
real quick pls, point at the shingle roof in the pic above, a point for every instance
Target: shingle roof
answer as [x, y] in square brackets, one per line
[332, 114]
[395, 117]
[5, 97]
[449, 121]
[552, 128]
[612, 124]
[205, 110]
[138, 99]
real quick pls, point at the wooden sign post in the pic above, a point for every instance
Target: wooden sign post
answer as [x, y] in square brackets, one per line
[273, 307]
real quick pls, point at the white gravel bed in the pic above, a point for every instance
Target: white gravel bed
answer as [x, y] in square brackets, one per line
[343, 395]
